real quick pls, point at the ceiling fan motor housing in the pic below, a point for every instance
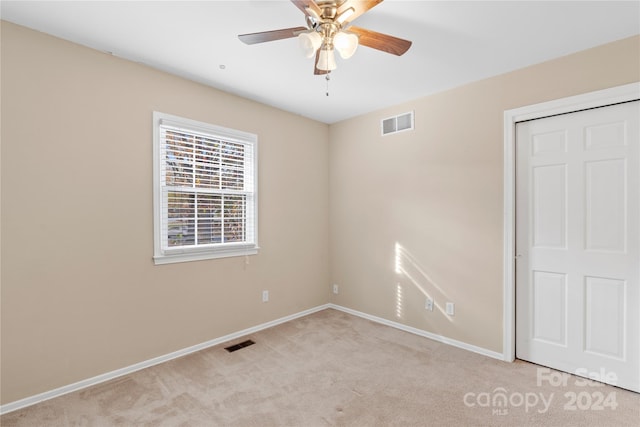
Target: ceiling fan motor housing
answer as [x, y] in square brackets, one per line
[328, 8]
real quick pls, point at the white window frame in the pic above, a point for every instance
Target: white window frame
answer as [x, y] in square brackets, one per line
[162, 253]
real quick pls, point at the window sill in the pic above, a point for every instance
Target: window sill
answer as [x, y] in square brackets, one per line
[199, 256]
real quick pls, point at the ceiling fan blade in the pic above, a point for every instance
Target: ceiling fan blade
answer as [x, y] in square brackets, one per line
[359, 7]
[316, 71]
[379, 41]
[269, 36]
[310, 4]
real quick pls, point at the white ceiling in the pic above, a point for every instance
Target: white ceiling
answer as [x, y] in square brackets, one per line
[454, 42]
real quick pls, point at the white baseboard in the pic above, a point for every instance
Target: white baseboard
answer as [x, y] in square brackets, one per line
[420, 332]
[32, 400]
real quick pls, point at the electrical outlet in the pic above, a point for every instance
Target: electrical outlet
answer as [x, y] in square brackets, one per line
[428, 305]
[335, 289]
[450, 309]
[265, 296]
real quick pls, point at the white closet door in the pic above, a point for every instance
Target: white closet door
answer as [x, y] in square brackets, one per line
[577, 240]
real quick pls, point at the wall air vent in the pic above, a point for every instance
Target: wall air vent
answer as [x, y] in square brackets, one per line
[398, 123]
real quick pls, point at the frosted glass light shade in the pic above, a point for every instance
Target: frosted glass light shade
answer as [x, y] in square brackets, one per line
[309, 43]
[326, 60]
[346, 44]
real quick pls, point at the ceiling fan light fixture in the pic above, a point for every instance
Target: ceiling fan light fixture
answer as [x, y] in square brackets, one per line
[324, 35]
[346, 44]
[326, 60]
[310, 42]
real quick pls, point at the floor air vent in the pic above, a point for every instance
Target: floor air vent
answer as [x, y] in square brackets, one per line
[398, 123]
[238, 346]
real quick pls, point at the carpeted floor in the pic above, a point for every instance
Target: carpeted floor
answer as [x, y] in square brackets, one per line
[331, 368]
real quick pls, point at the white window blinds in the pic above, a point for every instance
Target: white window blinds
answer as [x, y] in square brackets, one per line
[206, 190]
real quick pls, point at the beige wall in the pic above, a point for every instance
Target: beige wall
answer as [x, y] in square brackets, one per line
[80, 293]
[436, 194]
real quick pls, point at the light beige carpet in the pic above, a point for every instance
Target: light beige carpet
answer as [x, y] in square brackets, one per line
[331, 368]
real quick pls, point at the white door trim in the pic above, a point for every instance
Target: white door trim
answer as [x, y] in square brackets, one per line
[571, 104]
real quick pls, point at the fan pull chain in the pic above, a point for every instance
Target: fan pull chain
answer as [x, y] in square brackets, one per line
[327, 79]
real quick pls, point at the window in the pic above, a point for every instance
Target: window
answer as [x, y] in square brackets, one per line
[205, 195]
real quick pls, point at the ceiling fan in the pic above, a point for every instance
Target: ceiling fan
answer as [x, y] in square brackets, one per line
[328, 29]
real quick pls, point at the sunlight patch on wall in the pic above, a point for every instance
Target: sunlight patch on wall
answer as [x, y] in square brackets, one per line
[398, 261]
[406, 265]
[399, 301]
